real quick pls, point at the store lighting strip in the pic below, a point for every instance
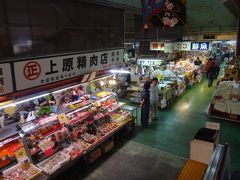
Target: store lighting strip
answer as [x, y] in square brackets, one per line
[120, 71]
[36, 97]
[79, 109]
[64, 89]
[22, 101]
[103, 77]
[8, 105]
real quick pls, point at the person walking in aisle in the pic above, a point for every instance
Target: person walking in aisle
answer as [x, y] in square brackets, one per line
[145, 104]
[211, 74]
[208, 65]
[217, 66]
[154, 99]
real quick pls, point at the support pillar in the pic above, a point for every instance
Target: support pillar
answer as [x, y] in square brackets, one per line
[238, 34]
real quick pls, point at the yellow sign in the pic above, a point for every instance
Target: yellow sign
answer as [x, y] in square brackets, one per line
[63, 118]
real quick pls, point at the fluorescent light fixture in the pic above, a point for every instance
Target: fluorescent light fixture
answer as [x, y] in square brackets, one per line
[79, 109]
[120, 71]
[102, 83]
[8, 105]
[103, 78]
[150, 60]
[64, 89]
[26, 100]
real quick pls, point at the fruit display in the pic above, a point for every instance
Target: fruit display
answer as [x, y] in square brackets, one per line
[53, 163]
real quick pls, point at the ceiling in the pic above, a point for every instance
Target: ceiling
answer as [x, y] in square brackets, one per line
[203, 17]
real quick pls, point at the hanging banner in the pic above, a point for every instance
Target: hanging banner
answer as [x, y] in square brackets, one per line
[6, 84]
[159, 13]
[33, 73]
[156, 46]
[200, 46]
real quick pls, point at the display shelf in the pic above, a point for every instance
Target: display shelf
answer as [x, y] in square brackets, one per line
[31, 127]
[225, 119]
[46, 137]
[120, 105]
[89, 102]
[18, 172]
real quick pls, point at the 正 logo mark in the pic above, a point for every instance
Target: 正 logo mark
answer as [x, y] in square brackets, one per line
[32, 70]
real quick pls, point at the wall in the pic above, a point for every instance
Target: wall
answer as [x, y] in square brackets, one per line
[42, 27]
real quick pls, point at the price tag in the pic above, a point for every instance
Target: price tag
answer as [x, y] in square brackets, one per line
[21, 155]
[63, 118]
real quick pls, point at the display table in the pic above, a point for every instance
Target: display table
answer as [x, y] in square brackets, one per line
[132, 110]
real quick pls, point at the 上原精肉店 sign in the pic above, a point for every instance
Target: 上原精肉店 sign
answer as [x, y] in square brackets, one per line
[33, 73]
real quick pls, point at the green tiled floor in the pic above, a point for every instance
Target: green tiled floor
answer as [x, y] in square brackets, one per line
[178, 124]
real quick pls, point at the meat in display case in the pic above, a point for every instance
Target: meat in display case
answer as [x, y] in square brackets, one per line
[46, 138]
[51, 141]
[8, 147]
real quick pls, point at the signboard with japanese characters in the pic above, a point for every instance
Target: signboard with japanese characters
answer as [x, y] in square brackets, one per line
[168, 47]
[156, 46]
[182, 46]
[6, 84]
[200, 46]
[32, 73]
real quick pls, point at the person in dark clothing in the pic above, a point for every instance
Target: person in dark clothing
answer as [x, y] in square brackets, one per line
[209, 64]
[211, 75]
[198, 62]
[145, 104]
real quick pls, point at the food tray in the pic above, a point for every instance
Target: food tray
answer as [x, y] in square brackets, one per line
[50, 165]
[14, 168]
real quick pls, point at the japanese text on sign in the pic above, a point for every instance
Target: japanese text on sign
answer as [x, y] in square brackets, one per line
[200, 46]
[34, 73]
[156, 46]
[6, 85]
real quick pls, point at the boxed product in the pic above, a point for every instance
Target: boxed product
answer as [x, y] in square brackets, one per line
[52, 164]
[22, 171]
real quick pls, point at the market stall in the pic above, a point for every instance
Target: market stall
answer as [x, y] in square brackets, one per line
[55, 129]
[225, 103]
[174, 78]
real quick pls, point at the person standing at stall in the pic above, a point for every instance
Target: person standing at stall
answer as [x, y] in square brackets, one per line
[145, 104]
[154, 99]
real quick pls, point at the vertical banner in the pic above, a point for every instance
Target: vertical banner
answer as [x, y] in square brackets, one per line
[6, 84]
[159, 13]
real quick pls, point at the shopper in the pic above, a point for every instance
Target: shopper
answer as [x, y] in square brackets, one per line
[209, 64]
[211, 75]
[145, 104]
[154, 99]
[198, 62]
[217, 67]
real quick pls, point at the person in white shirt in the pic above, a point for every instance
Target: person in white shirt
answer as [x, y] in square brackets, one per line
[154, 99]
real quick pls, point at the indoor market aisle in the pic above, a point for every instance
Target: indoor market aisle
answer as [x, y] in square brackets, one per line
[178, 124]
[162, 150]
